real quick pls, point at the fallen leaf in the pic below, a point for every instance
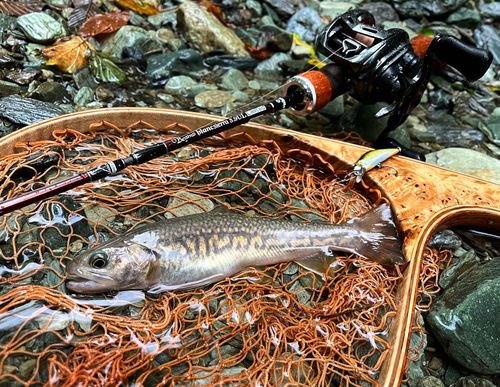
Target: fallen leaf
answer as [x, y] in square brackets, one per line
[104, 24]
[68, 53]
[83, 10]
[104, 69]
[19, 8]
[147, 7]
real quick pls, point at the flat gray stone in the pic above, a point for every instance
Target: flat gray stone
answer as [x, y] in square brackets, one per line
[213, 99]
[40, 27]
[465, 319]
[467, 161]
[27, 111]
[130, 36]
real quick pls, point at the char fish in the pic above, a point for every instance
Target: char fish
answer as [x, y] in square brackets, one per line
[192, 251]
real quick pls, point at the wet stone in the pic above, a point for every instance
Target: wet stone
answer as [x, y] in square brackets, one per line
[465, 18]
[27, 111]
[182, 62]
[23, 76]
[40, 27]
[465, 319]
[467, 161]
[234, 80]
[84, 96]
[473, 381]
[130, 36]
[187, 203]
[99, 214]
[488, 38]
[231, 61]
[51, 92]
[417, 9]
[179, 84]
[27, 368]
[163, 19]
[445, 239]
[9, 88]
[305, 23]
[83, 78]
[490, 9]
[491, 127]
[451, 375]
[213, 99]
[205, 32]
[332, 9]
[7, 22]
[457, 268]
[381, 11]
[430, 381]
[269, 69]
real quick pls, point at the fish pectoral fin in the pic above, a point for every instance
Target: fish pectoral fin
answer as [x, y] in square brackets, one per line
[318, 263]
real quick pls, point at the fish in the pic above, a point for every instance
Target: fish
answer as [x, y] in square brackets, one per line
[196, 250]
[372, 159]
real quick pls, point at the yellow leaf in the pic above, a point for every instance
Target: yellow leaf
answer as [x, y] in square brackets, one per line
[147, 7]
[299, 42]
[68, 53]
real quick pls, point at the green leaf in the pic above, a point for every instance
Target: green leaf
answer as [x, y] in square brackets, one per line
[105, 70]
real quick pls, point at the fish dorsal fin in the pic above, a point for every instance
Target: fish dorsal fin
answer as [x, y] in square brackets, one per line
[318, 263]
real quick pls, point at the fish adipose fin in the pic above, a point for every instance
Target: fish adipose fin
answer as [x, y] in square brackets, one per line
[378, 236]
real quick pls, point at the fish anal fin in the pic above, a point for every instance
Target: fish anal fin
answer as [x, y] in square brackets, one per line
[318, 263]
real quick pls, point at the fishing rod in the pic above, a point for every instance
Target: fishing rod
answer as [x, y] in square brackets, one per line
[147, 154]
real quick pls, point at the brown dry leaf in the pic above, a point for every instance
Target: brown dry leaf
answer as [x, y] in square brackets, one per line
[19, 8]
[68, 53]
[104, 24]
[147, 7]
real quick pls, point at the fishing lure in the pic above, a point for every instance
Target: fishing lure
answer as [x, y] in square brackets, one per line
[370, 160]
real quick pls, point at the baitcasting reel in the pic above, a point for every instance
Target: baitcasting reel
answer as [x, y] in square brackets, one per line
[374, 65]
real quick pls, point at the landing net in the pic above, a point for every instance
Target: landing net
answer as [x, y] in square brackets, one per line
[279, 325]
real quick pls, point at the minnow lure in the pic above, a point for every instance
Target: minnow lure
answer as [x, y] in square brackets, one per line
[370, 160]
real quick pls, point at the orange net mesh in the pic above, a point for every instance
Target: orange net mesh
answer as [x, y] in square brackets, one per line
[279, 325]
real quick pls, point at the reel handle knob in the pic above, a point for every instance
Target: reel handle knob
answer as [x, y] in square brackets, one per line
[472, 62]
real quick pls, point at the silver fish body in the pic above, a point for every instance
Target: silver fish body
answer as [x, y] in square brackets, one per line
[192, 251]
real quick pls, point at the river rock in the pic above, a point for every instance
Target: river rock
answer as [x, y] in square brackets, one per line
[491, 127]
[465, 319]
[305, 23]
[51, 92]
[332, 9]
[490, 9]
[27, 111]
[467, 161]
[269, 69]
[182, 62]
[381, 11]
[234, 80]
[465, 18]
[488, 38]
[130, 36]
[187, 203]
[473, 381]
[41, 27]
[426, 8]
[213, 99]
[205, 32]
[9, 88]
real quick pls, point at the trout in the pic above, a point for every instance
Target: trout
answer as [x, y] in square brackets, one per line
[196, 250]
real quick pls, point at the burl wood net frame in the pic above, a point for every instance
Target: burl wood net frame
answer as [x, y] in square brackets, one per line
[424, 198]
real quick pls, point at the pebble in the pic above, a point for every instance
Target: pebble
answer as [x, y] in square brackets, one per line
[467, 161]
[9, 88]
[84, 96]
[465, 319]
[457, 268]
[99, 214]
[186, 203]
[213, 99]
[129, 36]
[27, 111]
[205, 32]
[473, 381]
[269, 69]
[234, 79]
[40, 27]
[50, 92]
[305, 23]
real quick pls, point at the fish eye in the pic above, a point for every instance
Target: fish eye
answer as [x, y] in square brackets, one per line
[98, 260]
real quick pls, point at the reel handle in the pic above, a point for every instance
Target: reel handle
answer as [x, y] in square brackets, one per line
[472, 62]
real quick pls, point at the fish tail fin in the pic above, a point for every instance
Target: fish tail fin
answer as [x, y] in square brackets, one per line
[378, 236]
